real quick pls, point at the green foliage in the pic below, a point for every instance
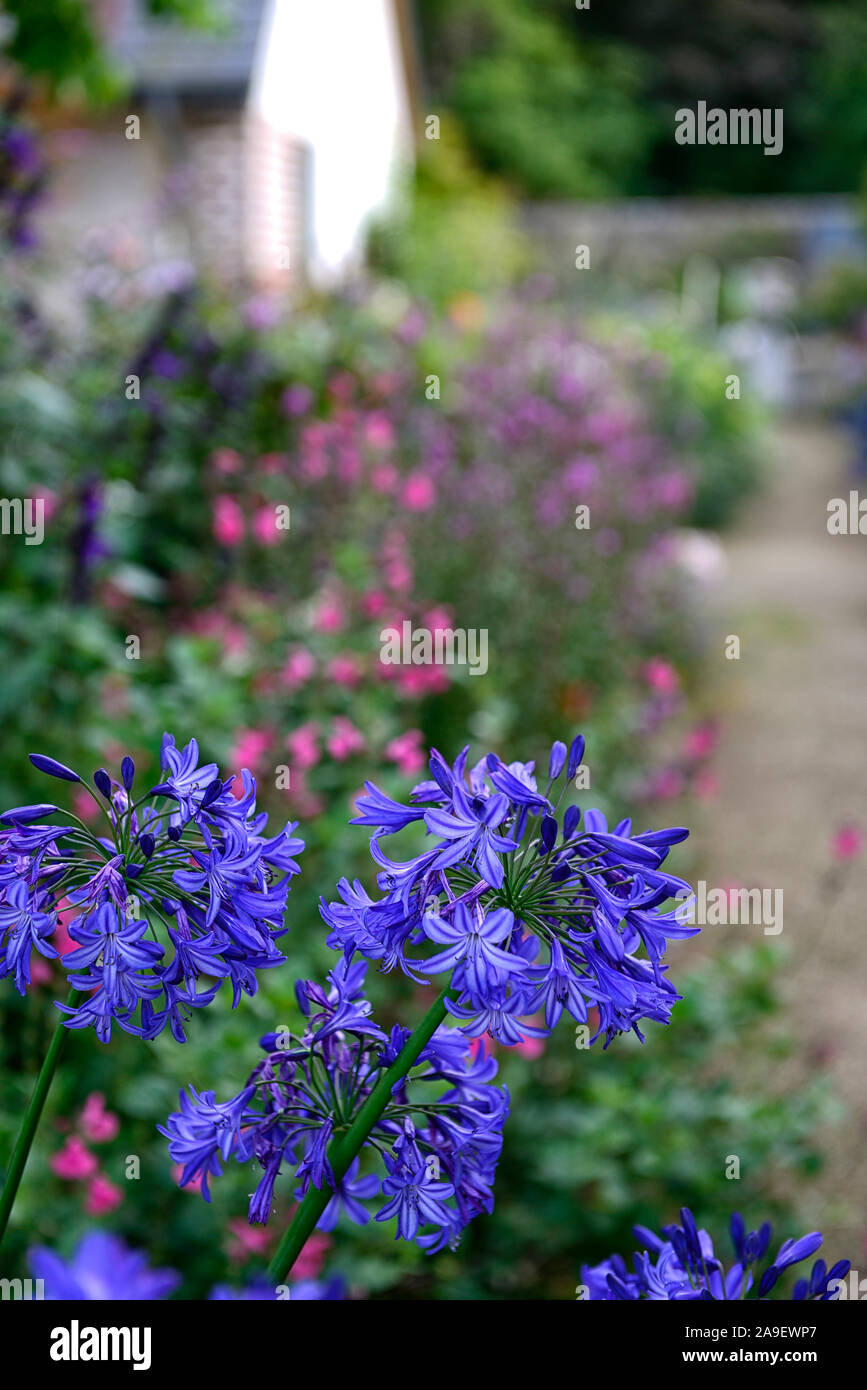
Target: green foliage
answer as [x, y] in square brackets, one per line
[574, 104]
[457, 230]
[58, 42]
[540, 107]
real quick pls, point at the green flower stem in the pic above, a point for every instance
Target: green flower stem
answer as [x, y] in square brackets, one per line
[31, 1118]
[343, 1149]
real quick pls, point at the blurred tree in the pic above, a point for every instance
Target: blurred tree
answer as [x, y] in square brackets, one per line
[60, 41]
[574, 103]
[541, 108]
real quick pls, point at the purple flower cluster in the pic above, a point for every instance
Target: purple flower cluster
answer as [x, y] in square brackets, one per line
[680, 1264]
[438, 1139]
[185, 884]
[104, 1269]
[526, 909]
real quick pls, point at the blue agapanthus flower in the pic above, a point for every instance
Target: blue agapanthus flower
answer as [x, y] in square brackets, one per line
[329, 1290]
[518, 906]
[103, 1267]
[179, 889]
[680, 1264]
[429, 1161]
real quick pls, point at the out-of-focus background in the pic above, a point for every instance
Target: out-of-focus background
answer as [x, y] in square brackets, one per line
[436, 276]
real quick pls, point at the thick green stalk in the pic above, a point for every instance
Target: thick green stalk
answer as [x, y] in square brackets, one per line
[344, 1148]
[31, 1119]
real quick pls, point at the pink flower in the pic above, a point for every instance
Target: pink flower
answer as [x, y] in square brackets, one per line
[194, 1184]
[246, 1240]
[661, 675]
[98, 1124]
[530, 1047]
[420, 680]
[329, 616]
[265, 527]
[342, 386]
[344, 669]
[407, 750]
[299, 667]
[304, 801]
[84, 806]
[303, 745]
[666, 784]
[74, 1161]
[314, 466]
[272, 463]
[344, 739]
[40, 971]
[374, 603]
[700, 742]
[378, 430]
[847, 842]
[48, 500]
[102, 1196]
[226, 461]
[312, 1256]
[398, 575]
[383, 477]
[437, 620]
[248, 749]
[418, 493]
[228, 521]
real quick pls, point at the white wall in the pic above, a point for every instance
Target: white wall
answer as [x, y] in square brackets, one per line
[330, 72]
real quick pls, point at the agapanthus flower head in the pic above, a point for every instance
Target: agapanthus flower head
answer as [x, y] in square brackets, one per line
[680, 1264]
[103, 1267]
[184, 889]
[522, 903]
[428, 1162]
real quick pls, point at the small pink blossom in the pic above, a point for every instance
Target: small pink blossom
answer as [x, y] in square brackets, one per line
[48, 500]
[265, 527]
[329, 616]
[378, 430]
[418, 493]
[246, 1240]
[847, 842]
[701, 741]
[299, 667]
[303, 745]
[98, 1125]
[228, 521]
[661, 675]
[407, 750]
[84, 806]
[226, 461]
[666, 784]
[344, 670]
[194, 1184]
[374, 603]
[384, 477]
[74, 1161]
[102, 1197]
[272, 463]
[310, 1261]
[249, 747]
[344, 739]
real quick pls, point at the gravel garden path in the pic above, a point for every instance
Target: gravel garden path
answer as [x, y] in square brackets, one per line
[791, 768]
